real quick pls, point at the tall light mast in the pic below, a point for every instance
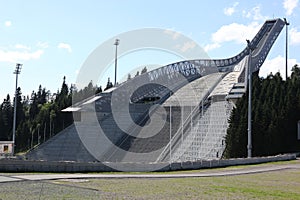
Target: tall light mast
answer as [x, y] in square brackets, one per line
[17, 72]
[117, 42]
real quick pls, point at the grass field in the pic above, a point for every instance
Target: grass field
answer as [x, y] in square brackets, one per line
[283, 184]
[271, 185]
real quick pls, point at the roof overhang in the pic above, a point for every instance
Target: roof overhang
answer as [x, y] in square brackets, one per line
[71, 109]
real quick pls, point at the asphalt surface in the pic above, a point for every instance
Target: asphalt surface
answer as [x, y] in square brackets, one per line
[210, 173]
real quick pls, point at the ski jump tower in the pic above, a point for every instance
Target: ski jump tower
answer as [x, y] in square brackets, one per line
[193, 99]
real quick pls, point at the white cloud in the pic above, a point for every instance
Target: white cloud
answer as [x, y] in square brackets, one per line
[7, 23]
[235, 32]
[21, 46]
[42, 45]
[294, 36]
[230, 10]
[246, 14]
[289, 6]
[65, 46]
[187, 46]
[17, 56]
[232, 33]
[210, 47]
[255, 14]
[275, 65]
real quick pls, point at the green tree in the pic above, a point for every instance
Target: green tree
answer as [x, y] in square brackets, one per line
[98, 90]
[144, 70]
[108, 85]
[128, 76]
[7, 119]
[275, 112]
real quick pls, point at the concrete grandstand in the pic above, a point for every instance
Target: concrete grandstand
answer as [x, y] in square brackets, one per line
[175, 113]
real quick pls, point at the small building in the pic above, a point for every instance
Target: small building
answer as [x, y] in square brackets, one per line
[6, 148]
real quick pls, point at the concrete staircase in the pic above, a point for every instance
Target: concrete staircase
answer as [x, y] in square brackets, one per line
[206, 139]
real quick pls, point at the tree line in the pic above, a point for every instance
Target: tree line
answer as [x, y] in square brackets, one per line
[39, 115]
[275, 114]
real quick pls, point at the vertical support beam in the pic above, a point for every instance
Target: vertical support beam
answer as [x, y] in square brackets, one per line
[170, 147]
[191, 118]
[17, 72]
[31, 146]
[286, 48]
[202, 105]
[249, 146]
[117, 42]
[38, 138]
[182, 109]
[250, 117]
[45, 132]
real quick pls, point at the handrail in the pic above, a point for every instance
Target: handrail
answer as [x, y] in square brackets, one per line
[176, 135]
[229, 108]
[191, 115]
[143, 120]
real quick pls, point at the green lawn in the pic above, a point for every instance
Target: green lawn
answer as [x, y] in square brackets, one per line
[271, 185]
[284, 184]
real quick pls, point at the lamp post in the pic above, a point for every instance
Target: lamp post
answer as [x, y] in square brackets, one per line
[286, 48]
[117, 42]
[249, 146]
[17, 72]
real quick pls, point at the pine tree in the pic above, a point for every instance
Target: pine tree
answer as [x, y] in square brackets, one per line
[34, 109]
[276, 108]
[98, 90]
[7, 118]
[128, 77]
[144, 70]
[108, 85]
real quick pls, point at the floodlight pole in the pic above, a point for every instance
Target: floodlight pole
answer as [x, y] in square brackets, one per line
[17, 72]
[170, 135]
[249, 146]
[286, 48]
[117, 42]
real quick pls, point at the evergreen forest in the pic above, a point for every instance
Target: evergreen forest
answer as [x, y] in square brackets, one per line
[275, 114]
[39, 115]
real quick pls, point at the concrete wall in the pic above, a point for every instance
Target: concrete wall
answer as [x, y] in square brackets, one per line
[12, 165]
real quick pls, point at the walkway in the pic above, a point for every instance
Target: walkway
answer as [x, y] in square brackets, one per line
[201, 173]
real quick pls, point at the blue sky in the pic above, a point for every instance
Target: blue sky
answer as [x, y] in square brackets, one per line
[52, 39]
